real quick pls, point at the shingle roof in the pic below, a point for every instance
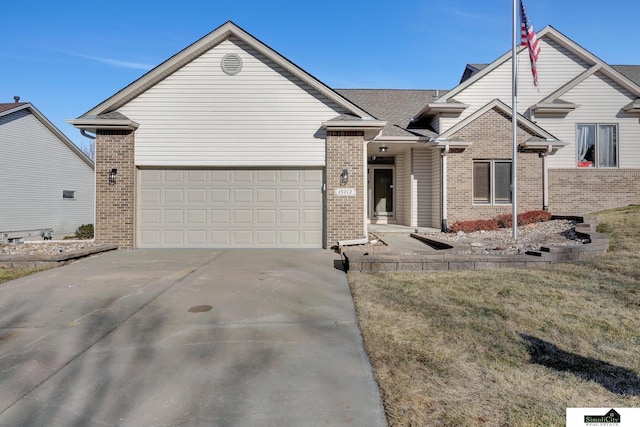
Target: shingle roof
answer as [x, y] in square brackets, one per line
[395, 106]
[632, 72]
[10, 105]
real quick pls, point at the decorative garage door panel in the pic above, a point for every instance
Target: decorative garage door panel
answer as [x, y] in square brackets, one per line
[236, 208]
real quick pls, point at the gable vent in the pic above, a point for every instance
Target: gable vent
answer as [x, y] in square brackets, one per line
[231, 64]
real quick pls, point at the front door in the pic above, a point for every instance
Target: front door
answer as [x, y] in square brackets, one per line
[381, 187]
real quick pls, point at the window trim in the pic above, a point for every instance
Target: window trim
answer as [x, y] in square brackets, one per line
[595, 164]
[492, 183]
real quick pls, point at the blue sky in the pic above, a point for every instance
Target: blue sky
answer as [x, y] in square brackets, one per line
[67, 56]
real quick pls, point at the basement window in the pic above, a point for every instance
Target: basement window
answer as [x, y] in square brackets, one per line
[68, 195]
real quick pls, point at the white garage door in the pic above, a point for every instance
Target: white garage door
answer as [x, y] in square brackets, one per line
[236, 208]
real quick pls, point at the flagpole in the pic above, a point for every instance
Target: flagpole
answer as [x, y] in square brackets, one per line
[514, 121]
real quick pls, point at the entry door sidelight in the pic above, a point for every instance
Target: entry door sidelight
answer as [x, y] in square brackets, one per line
[382, 193]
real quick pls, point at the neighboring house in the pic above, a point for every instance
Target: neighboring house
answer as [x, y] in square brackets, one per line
[229, 144]
[46, 182]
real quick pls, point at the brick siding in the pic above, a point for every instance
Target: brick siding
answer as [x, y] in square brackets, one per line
[580, 191]
[491, 135]
[115, 204]
[345, 214]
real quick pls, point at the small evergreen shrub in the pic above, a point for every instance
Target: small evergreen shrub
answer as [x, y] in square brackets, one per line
[85, 231]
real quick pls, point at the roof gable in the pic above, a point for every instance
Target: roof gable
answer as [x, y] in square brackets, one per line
[615, 73]
[533, 128]
[540, 141]
[7, 109]
[195, 50]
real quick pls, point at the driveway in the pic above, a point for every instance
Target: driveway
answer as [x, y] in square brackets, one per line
[185, 338]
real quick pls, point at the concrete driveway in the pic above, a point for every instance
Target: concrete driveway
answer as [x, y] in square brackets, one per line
[185, 338]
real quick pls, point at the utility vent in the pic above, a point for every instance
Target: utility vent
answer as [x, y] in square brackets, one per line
[231, 64]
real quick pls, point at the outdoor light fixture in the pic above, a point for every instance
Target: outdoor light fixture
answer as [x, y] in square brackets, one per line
[112, 176]
[344, 176]
[383, 148]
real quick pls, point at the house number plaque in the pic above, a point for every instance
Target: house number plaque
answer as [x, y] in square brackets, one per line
[345, 192]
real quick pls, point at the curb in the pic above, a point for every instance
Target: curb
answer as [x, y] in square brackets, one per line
[34, 261]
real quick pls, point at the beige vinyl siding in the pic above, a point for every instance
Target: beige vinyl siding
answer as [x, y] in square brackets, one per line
[36, 167]
[600, 100]
[436, 179]
[402, 188]
[556, 67]
[422, 161]
[200, 116]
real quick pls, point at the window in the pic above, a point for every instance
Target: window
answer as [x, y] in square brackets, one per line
[597, 145]
[492, 181]
[68, 194]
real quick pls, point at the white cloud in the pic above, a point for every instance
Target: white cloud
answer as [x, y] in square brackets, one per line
[113, 62]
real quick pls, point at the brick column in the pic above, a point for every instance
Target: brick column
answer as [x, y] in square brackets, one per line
[346, 215]
[115, 203]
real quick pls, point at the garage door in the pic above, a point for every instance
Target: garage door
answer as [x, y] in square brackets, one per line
[236, 208]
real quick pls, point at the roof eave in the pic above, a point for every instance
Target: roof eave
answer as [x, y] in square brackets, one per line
[370, 128]
[410, 139]
[539, 145]
[434, 108]
[353, 124]
[449, 144]
[554, 108]
[632, 107]
[104, 124]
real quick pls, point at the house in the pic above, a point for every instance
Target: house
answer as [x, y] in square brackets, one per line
[589, 111]
[46, 182]
[229, 144]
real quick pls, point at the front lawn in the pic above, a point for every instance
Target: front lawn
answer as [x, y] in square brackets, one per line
[510, 347]
[7, 274]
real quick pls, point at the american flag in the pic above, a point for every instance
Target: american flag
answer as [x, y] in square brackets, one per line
[528, 38]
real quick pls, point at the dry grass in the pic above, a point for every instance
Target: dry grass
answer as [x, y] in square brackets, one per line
[508, 347]
[7, 274]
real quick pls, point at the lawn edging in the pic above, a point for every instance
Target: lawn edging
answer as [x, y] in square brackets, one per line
[373, 261]
[57, 260]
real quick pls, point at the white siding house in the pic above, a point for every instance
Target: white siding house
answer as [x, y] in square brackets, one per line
[202, 116]
[46, 182]
[229, 144]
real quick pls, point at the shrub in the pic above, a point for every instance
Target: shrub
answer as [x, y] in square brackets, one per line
[500, 221]
[477, 225]
[533, 216]
[504, 220]
[85, 231]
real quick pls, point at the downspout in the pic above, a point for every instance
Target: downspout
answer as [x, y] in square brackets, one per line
[85, 134]
[95, 180]
[444, 227]
[545, 178]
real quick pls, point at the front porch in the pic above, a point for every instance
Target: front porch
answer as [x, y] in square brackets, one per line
[403, 184]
